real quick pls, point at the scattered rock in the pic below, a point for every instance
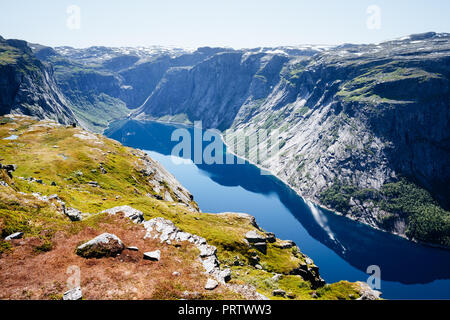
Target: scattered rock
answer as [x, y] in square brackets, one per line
[73, 294]
[135, 215]
[254, 237]
[207, 250]
[270, 237]
[224, 275]
[211, 284]
[276, 277]
[168, 197]
[53, 184]
[167, 232]
[175, 273]
[261, 247]
[238, 262]
[102, 169]
[94, 184]
[211, 264]
[279, 293]
[105, 245]
[291, 295]
[53, 197]
[254, 259]
[153, 255]
[17, 235]
[247, 291]
[133, 248]
[286, 244]
[309, 273]
[367, 293]
[10, 167]
[73, 214]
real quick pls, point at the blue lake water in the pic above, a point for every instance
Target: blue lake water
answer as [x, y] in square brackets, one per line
[343, 249]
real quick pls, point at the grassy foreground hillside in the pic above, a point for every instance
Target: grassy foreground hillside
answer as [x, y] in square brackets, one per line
[91, 173]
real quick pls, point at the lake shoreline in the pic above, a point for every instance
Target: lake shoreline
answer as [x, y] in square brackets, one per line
[306, 199]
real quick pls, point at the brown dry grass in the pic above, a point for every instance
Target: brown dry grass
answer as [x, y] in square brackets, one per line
[28, 274]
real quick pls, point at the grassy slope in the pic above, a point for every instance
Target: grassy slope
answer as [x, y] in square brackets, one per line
[8, 54]
[38, 153]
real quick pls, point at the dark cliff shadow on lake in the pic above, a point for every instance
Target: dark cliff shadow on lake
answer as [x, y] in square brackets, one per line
[399, 259]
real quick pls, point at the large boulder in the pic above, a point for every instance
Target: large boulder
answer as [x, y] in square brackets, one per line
[73, 214]
[309, 272]
[133, 214]
[105, 245]
[254, 237]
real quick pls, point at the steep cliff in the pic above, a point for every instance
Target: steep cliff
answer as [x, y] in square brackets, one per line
[27, 86]
[364, 128]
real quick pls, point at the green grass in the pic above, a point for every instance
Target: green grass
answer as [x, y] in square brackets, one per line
[98, 113]
[8, 54]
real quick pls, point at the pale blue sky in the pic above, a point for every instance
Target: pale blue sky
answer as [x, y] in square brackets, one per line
[234, 23]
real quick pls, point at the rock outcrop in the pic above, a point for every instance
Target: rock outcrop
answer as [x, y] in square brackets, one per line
[28, 87]
[105, 245]
[134, 215]
[211, 284]
[167, 232]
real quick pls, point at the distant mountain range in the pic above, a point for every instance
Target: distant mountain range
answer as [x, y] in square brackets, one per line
[365, 128]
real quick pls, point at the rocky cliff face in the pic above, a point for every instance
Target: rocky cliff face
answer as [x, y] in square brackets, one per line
[359, 125]
[27, 86]
[224, 81]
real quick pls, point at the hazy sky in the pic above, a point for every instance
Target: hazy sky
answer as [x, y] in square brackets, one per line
[234, 23]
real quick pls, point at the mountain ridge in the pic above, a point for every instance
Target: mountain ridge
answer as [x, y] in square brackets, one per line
[360, 124]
